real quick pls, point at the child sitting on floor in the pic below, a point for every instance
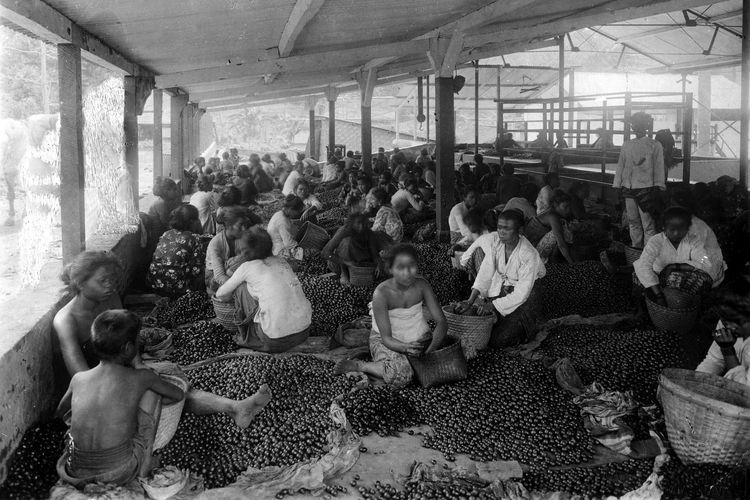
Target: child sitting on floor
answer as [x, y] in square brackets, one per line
[399, 326]
[112, 425]
[310, 201]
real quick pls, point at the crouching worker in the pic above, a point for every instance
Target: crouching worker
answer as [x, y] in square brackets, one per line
[505, 283]
[113, 407]
[273, 313]
[355, 244]
[398, 323]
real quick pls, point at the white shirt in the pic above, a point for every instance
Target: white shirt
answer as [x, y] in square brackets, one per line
[456, 220]
[522, 204]
[704, 233]
[660, 252]
[641, 165]
[312, 201]
[543, 200]
[521, 270]
[714, 362]
[485, 242]
[206, 204]
[330, 173]
[280, 229]
[290, 185]
[283, 309]
[403, 199]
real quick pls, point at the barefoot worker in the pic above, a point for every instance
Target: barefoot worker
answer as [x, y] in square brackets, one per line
[93, 278]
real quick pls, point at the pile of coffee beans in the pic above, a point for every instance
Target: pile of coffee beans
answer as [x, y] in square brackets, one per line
[703, 481]
[199, 341]
[193, 306]
[449, 284]
[379, 409]
[334, 304]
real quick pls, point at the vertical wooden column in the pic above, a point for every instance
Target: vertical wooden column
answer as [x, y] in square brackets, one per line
[72, 176]
[544, 121]
[561, 87]
[499, 123]
[158, 139]
[628, 113]
[366, 81]
[604, 140]
[188, 115]
[571, 101]
[476, 107]
[703, 115]
[446, 138]
[428, 116]
[130, 123]
[331, 95]
[310, 103]
[178, 104]
[745, 98]
[687, 141]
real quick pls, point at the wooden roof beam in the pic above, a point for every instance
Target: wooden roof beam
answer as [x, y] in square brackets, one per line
[302, 13]
[666, 29]
[480, 17]
[49, 24]
[695, 66]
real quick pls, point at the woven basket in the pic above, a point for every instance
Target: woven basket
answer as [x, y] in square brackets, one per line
[170, 415]
[456, 259]
[312, 236]
[632, 254]
[443, 366]
[225, 314]
[681, 314]
[473, 331]
[707, 417]
[361, 275]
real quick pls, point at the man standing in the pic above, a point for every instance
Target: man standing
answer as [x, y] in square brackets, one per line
[640, 175]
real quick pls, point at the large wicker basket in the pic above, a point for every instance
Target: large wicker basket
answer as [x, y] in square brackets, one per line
[361, 275]
[443, 366]
[225, 312]
[707, 417]
[473, 331]
[312, 236]
[170, 415]
[681, 314]
[632, 254]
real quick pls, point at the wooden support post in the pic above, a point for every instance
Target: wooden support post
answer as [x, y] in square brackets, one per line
[501, 138]
[604, 136]
[446, 137]
[366, 81]
[578, 133]
[310, 104]
[745, 98]
[544, 121]
[628, 112]
[177, 161]
[499, 123]
[571, 101]
[130, 124]
[703, 115]
[561, 88]
[158, 139]
[476, 107]
[428, 117]
[687, 141]
[72, 187]
[197, 130]
[187, 133]
[331, 95]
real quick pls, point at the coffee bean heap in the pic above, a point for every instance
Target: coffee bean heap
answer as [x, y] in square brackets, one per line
[614, 479]
[509, 408]
[417, 490]
[199, 341]
[32, 470]
[379, 409]
[620, 360]
[193, 306]
[332, 303]
[290, 429]
[449, 284]
[329, 198]
[332, 219]
[583, 288]
[314, 265]
[703, 481]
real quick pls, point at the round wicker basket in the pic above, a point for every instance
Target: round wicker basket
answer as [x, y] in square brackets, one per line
[681, 314]
[632, 254]
[707, 417]
[312, 236]
[361, 275]
[170, 415]
[224, 314]
[473, 331]
[443, 366]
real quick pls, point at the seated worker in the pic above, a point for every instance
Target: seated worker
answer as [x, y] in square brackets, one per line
[282, 231]
[332, 171]
[675, 257]
[310, 167]
[472, 258]
[541, 142]
[356, 199]
[407, 201]
[488, 182]
[430, 174]
[505, 283]
[385, 181]
[170, 197]
[508, 185]
[205, 201]
[459, 230]
[424, 158]
[387, 219]
[578, 193]
[380, 162]
[354, 244]
[269, 167]
[508, 141]
[272, 311]
[234, 156]
[290, 184]
[178, 261]
[93, 279]
[524, 202]
[349, 186]
[284, 164]
[466, 176]
[729, 354]
[223, 249]
[226, 165]
[544, 198]
[113, 408]
[349, 161]
[310, 201]
[230, 196]
[474, 221]
[548, 231]
[480, 167]
[398, 323]
[263, 183]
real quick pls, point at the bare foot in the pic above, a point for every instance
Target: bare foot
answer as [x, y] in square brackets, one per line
[248, 408]
[346, 366]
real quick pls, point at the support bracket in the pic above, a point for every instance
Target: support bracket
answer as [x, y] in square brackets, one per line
[366, 81]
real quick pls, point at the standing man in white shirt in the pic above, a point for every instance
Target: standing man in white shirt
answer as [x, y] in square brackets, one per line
[640, 174]
[505, 282]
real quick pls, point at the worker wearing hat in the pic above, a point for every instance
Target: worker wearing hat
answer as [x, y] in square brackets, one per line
[640, 175]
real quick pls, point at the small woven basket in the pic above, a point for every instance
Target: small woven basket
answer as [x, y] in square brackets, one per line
[439, 367]
[681, 314]
[361, 275]
[456, 259]
[632, 254]
[707, 417]
[473, 331]
[170, 415]
[225, 314]
[312, 236]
